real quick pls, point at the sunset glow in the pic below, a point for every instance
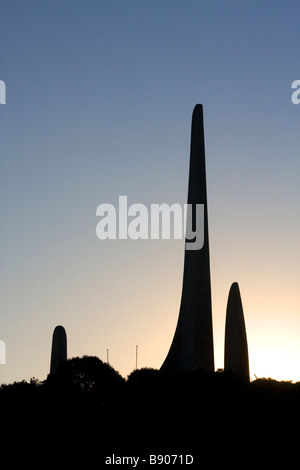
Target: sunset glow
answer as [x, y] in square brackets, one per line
[98, 105]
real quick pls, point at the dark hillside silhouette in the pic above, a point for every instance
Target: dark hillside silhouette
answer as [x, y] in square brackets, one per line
[87, 404]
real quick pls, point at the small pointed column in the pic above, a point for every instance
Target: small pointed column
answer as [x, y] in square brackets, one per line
[59, 348]
[236, 359]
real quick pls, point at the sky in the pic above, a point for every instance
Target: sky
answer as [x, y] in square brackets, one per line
[99, 99]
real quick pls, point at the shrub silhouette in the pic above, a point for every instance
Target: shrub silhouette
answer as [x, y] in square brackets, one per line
[146, 382]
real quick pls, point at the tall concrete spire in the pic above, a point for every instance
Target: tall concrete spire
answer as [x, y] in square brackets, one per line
[236, 349]
[192, 345]
[59, 348]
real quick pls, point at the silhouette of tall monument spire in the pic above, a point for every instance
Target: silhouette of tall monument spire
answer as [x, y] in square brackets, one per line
[192, 345]
[59, 348]
[236, 359]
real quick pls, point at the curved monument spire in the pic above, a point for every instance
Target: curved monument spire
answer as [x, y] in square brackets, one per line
[192, 345]
[236, 348]
[59, 348]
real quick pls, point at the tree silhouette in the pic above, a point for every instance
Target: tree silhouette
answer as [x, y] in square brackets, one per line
[89, 394]
[87, 374]
[86, 404]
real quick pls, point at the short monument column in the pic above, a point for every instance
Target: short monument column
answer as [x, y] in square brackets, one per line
[59, 348]
[236, 359]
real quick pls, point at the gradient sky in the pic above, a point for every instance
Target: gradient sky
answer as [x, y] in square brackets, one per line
[100, 96]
